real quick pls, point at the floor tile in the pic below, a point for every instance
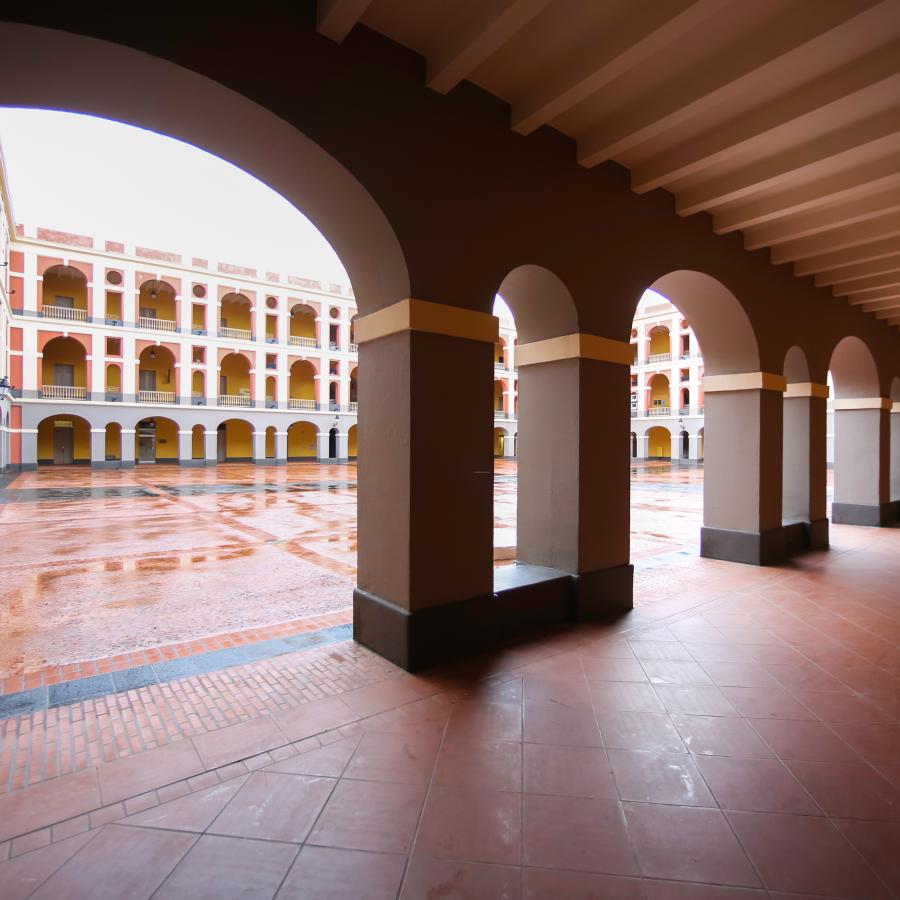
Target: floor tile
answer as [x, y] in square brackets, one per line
[844, 708]
[679, 890]
[119, 862]
[19, 877]
[625, 697]
[274, 807]
[758, 785]
[194, 812]
[328, 761]
[879, 744]
[470, 824]
[375, 698]
[370, 815]
[556, 884]
[606, 669]
[485, 722]
[314, 718]
[804, 677]
[217, 867]
[720, 736]
[739, 674]
[492, 765]
[685, 844]
[668, 671]
[452, 879]
[578, 834]
[639, 731]
[227, 745]
[806, 854]
[878, 842]
[849, 792]
[554, 724]
[766, 703]
[395, 757]
[325, 873]
[568, 771]
[644, 649]
[571, 691]
[653, 777]
[810, 741]
[45, 804]
[696, 700]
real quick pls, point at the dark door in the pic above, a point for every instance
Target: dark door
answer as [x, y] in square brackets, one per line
[332, 443]
[221, 437]
[63, 446]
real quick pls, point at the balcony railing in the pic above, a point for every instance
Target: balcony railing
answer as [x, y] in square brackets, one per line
[333, 345]
[301, 404]
[302, 341]
[353, 406]
[197, 399]
[500, 414]
[63, 392]
[685, 356]
[156, 396]
[240, 334]
[500, 365]
[65, 313]
[234, 400]
[684, 411]
[354, 348]
[157, 324]
[659, 411]
[659, 357]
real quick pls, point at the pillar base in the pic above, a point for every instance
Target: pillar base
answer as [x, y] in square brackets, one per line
[191, 463]
[604, 593]
[210, 462]
[105, 463]
[755, 548]
[858, 514]
[817, 535]
[127, 464]
[265, 462]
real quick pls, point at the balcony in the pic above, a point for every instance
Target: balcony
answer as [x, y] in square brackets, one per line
[354, 348]
[684, 411]
[303, 342]
[239, 334]
[659, 357]
[659, 411]
[235, 400]
[686, 356]
[65, 313]
[500, 366]
[353, 406]
[333, 345]
[156, 396]
[500, 414]
[63, 392]
[301, 404]
[157, 324]
[197, 399]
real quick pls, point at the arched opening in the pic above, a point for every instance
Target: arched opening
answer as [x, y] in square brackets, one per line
[660, 392]
[352, 446]
[236, 317]
[157, 375]
[64, 440]
[353, 331]
[684, 403]
[157, 306]
[500, 435]
[659, 443]
[64, 370]
[113, 382]
[113, 442]
[634, 445]
[156, 440]
[660, 345]
[198, 442]
[270, 442]
[302, 386]
[234, 441]
[198, 388]
[685, 445]
[498, 399]
[301, 441]
[702, 436]
[333, 394]
[354, 388]
[332, 443]
[235, 386]
[303, 327]
[271, 392]
[500, 354]
[64, 294]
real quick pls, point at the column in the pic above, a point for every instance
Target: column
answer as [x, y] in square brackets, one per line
[862, 461]
[29, 448]
[129, 369]
[128, 450]
[803, 464]
[210, 447]
[185, 371]
[509, 446]
[425, 560]
[643, 442]
[694, 446]
[98, 448]
[342, 452]
[323, 440]
[186, 448]
[281, 448]
[258, 317]
[573, 491]
[742, 471]
[895, 457]
[212, 375]
[259, 448]
[258, 378]
[98, 367]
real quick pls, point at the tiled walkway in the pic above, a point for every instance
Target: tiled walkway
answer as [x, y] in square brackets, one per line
[748, 740]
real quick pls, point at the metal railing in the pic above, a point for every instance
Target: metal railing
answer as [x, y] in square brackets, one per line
[500, 365]
[353, 406]
[659, 411]
[240, 334]
[66, 313]
[301, 404]
[157, 324]
[333, 345]
[63, 392]
[156, 396]
[500, 414]
[354, 348]
[302, 341]
[234, 400]
[659, 357]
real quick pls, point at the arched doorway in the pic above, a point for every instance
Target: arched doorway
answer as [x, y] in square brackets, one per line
[301, 441]
[235, 317]
[352, 449]
[198, 442]
[303, 326]
[659, 396]
[332, 443]
[157, 306]
[302, 385]
[234, 441]
[634, 446]
[64, 440]
[270, 442]
[157, 375]
[156, 440]
[113, 442]
[659, 443]
[685, 445]
[500, 435]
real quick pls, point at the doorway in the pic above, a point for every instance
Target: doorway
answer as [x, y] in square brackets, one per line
[63, 445]
[221, 438]
[147, 442]
[332, 443]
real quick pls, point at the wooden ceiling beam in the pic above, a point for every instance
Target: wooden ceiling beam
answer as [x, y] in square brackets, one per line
[335, 18]
[864, 253]
[851, 271]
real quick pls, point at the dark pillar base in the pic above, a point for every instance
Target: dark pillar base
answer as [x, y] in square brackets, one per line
[817, 536]
[606, 592]
[191, 463]
[105, 464]
[858, 514]
[802, 536]
[265, 462]
[127, 464]
[210, 462]
[756, 548]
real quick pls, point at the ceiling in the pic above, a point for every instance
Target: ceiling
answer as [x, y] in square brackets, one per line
[779, 118]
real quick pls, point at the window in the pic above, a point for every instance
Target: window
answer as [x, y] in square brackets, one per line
[113, 346]
[64, 302]
[271, 362]
[333, 367]
[63, 375]
[198, 354]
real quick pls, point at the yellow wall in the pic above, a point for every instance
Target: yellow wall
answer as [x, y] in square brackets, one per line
[660, 342]
[163, 365]
[64, 287]
[238, 439]
[271, 326]
[498, 395]
[302, 440]
[236, 313]
[498, 352]
[236, 370]
[163, 303]
[659, 443]
[113, 378]
[270, 443]
[351, 441]
[659, 390]
[113, 305]
[66, 351]
[198, 316]
[82, 442]
[166, 431]
[197, 443]
[302, 385]
[498, 442]
[113, 441]
[303, 325]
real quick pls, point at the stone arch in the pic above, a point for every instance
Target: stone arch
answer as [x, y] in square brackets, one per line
[46, 68]
[659, 442]
[302, 438]
[796, 367]
[541, 304]
[853, 370]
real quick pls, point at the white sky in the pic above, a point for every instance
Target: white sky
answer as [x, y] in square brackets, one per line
[104, 179]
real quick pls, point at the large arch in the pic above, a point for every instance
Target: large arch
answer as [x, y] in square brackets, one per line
[65, 373]
[659, 443]
[63, 439]
[301, 441]
[156, 440]
[234, 441]
[50, 69]
[64, 293]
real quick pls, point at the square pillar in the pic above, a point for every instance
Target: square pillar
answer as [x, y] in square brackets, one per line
[742, 487]
[210, 447]
[862, 462]
[281, 448]
[259, 448]
[186, 449]
[128, 449]
[895, 457]
[342, 443]
[803, 463]
[643, 443]
[573, 489]
[425, 533]
[98, 448]
[323, 445]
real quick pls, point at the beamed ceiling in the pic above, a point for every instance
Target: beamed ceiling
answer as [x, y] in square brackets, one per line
[779, 118]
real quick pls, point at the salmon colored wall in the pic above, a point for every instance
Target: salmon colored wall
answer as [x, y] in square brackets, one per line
[15, 338]
[15, 439]
[302, 441]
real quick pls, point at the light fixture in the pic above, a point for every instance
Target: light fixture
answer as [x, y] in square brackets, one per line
[4, 387]
[153, 291]
[153, 353]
